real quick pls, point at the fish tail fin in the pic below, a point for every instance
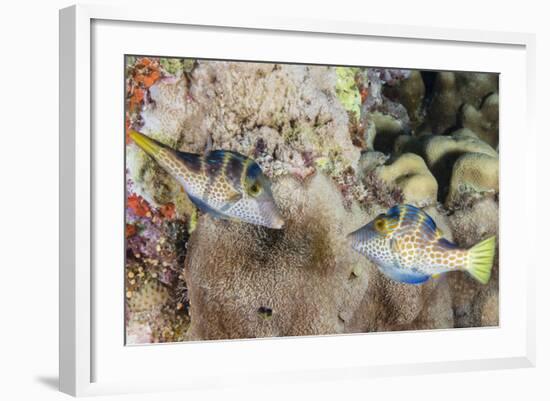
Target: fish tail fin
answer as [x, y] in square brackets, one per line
[480, 260]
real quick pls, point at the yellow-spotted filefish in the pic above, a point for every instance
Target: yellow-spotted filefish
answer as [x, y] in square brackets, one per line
[407, 246]
[223, 183]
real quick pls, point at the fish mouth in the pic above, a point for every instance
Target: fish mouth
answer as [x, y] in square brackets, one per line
[272, 216]
[277, 222]
[149, 145]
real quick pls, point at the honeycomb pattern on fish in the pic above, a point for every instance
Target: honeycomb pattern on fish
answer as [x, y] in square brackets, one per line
[407, 246]
[223, 183]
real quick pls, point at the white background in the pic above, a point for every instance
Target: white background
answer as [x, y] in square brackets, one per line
[238, 360]
[28, 201]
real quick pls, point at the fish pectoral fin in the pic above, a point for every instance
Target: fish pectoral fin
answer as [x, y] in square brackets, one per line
[234, 197]
[395, 250]
[394, 245]
[206, 208]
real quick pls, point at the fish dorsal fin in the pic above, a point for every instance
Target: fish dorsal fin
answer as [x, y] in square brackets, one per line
[191, 161]
[395, 211]
[206, 208]
[219, 154]
[217, 160]
[412, 214]
[214, 162]
[428, 221]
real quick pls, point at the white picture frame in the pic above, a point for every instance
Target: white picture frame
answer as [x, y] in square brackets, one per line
[93, 359]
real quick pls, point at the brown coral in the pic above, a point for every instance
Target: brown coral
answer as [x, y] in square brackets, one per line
[483, 121]
[306, 275]
[451, 91]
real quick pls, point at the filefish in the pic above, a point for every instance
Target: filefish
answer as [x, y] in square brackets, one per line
[223, 183]
[407, 246]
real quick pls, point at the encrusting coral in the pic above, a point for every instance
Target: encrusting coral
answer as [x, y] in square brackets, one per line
[155, 292]
[340, 145]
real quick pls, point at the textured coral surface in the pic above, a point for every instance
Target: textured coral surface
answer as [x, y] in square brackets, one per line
[340, 145]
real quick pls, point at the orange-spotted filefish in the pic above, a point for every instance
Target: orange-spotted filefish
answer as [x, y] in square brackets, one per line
[223, 183]
[407, 246]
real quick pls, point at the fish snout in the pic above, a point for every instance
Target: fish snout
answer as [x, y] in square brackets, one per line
[148, 145]
[271, 215]
[277, 222]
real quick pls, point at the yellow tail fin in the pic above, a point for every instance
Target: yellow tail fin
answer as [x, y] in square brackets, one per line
[480, 260]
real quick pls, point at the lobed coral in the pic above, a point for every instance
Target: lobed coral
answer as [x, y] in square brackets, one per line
[462, 164]
[473, 174]
[410, 93]
[451, 91]
[482, 121]
[411, 175]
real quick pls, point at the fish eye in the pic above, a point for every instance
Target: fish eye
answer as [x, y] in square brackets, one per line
[254, 189]
[380, 225]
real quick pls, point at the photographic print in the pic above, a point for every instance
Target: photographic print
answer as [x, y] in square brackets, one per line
[274, 199]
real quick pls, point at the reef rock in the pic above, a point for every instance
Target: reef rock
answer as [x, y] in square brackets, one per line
[370, 161]
[284, 116]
